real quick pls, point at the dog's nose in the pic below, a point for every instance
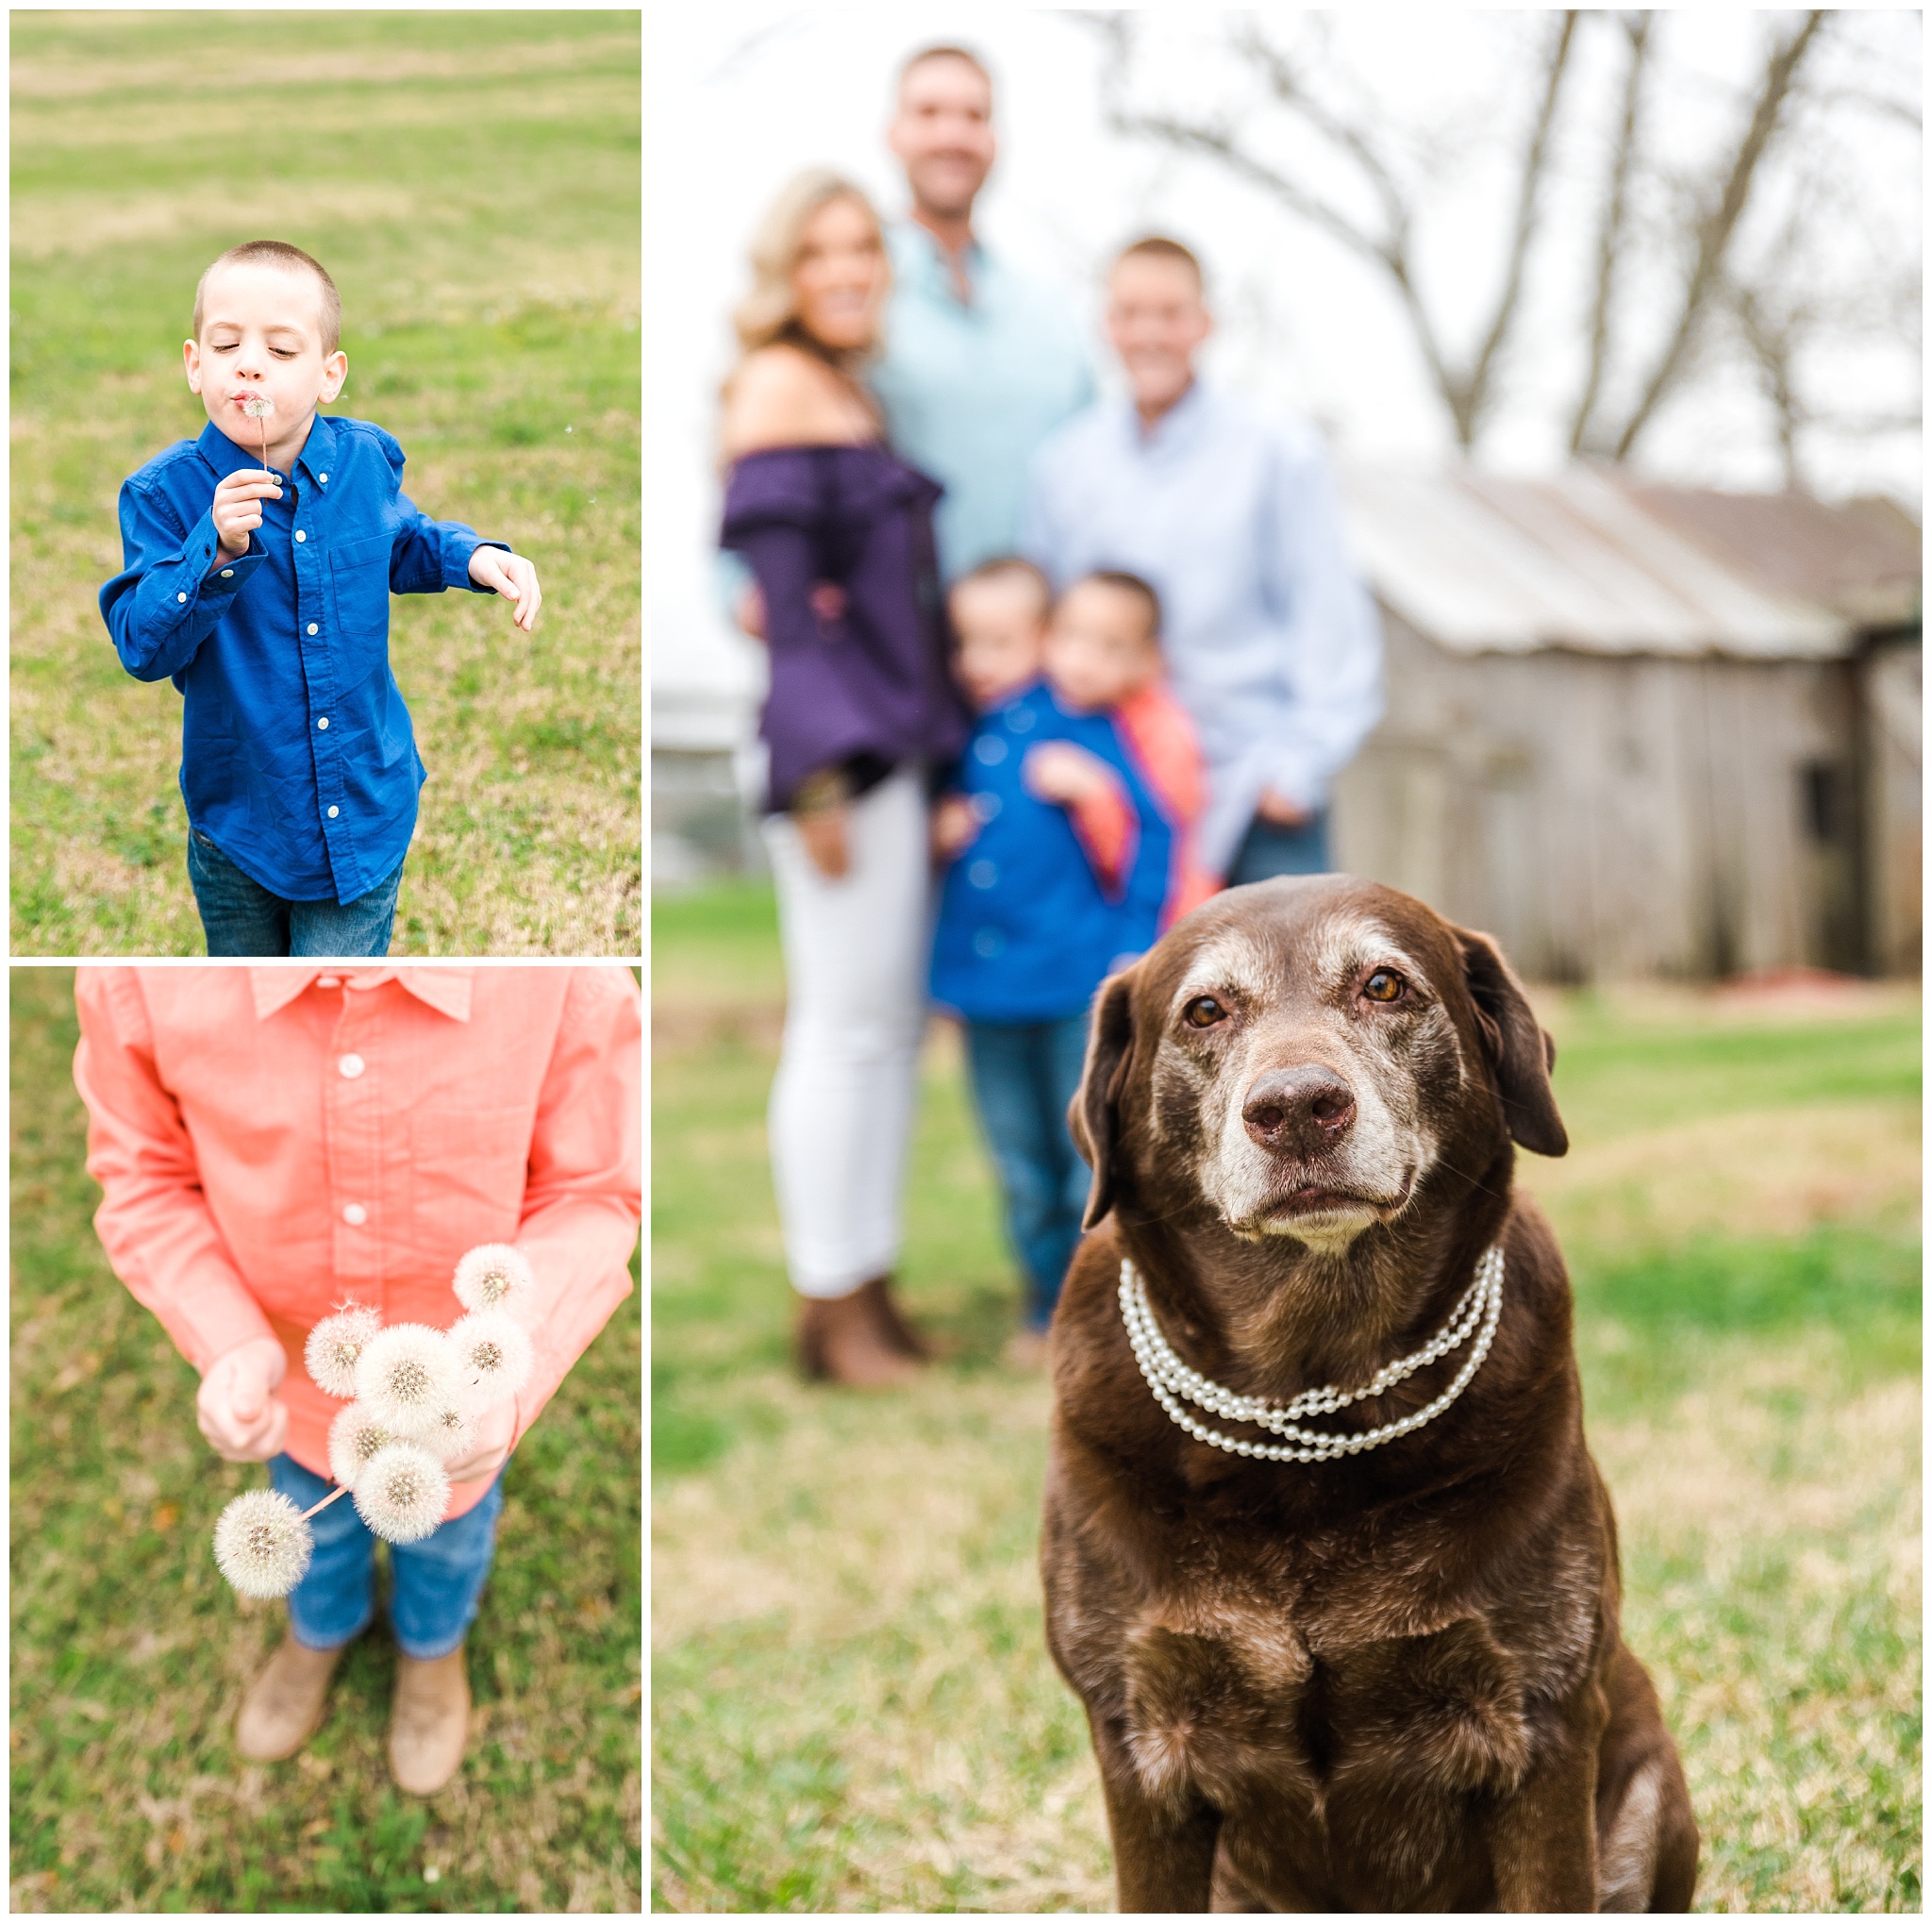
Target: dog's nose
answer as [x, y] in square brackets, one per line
[1298, 1111]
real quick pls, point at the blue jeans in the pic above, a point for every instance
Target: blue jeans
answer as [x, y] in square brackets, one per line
[242, 917]
[1023, 1076]
[435, 1584]
[1267, 850]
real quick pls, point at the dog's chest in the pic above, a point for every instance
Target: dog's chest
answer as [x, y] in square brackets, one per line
[1247, 1703]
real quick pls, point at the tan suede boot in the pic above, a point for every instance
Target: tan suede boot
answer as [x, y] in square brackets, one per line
[284, 1704]
[899, 1335]
[429, 1722]
[841, 1340]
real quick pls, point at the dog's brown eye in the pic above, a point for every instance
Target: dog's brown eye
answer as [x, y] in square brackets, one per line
[1203, 1013]
[1382, 985]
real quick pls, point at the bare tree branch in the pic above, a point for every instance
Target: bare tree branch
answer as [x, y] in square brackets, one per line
[1615, 219]
[1714, 232]
[1534, 163]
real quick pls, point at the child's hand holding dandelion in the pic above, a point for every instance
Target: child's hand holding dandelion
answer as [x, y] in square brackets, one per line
[236, 511]
[426, 1407]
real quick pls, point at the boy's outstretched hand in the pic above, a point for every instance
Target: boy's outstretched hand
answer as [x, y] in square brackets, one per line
[235, 1405]
[513, 578]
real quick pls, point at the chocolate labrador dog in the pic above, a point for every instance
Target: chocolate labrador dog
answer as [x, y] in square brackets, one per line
[1325, 1556]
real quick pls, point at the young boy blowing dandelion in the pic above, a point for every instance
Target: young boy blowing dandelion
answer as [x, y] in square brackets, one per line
[417, 1188]
[259, 563]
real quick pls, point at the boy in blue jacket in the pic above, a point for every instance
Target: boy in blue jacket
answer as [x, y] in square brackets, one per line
[259, 559]
[1058, 871]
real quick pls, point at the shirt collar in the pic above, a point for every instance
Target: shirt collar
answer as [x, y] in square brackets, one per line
[1174, 428]
[445, 990]
[920, 260]
[225, 458]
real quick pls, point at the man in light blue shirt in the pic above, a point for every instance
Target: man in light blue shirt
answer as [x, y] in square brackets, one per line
[980, 364]
[1273, 645]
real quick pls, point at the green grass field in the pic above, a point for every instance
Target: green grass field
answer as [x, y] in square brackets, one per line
[129, 1652]
[853, 1706]
[471, 181]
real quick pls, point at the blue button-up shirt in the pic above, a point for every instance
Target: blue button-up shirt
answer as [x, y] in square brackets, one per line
[970, 389]
[1272, 643]
[297, 758]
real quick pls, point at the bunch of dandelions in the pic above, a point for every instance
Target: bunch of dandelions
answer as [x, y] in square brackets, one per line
[413, 1394]
[258, 408]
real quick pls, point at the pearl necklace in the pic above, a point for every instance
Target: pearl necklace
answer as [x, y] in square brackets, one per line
[1476, 1314]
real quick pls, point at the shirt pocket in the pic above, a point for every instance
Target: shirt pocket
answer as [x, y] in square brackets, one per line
[359, 591]
[470, 1166]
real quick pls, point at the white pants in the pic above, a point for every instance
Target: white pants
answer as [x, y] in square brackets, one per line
[854, 974]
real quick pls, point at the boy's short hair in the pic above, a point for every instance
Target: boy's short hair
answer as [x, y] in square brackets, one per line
[1004, 567]
[1143, 591]
[1158, 247]
[279, 254]
[943, 50]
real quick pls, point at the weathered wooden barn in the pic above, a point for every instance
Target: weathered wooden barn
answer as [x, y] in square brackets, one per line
[1639, 730]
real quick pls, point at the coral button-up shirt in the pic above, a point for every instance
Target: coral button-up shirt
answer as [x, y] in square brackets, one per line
[270, 1141]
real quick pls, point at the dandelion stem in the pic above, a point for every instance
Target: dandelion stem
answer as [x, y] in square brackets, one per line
[340, 1490]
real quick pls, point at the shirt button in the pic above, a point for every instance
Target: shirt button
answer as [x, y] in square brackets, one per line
[333, 812]
[180, 597]
[300, 535]
[228, 574]
[322, 721]
[351, 1067]
[311, 627]
[323, 478]
[354, 1214]
[982, 874]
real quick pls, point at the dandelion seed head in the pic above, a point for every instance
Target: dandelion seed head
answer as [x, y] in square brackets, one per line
[258, 406]
[333, 1345]
[401, 1492]
[452, 1434]
[261, 1543]
[494, 1354]
[405, 1374]
[354, 1436]
[495, 1276]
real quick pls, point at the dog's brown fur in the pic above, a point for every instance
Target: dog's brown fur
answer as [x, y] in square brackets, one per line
[1395, 1680]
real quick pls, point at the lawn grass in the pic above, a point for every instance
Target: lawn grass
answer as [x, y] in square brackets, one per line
[471, 181]
[854, 1708]
[130, 1653]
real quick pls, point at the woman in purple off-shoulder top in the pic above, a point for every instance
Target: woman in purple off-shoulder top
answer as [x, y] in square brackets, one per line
[862, 714]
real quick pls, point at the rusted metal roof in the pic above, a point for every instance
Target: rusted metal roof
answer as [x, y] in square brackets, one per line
[1598, 561]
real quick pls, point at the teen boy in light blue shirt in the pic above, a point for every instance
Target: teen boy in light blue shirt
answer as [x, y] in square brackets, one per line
[1272, 643]
[981, 363]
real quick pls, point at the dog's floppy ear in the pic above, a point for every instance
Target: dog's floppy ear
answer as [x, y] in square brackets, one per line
[1521, 1052]
[1093, 1117]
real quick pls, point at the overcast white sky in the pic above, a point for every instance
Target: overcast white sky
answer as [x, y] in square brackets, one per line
[738, 96]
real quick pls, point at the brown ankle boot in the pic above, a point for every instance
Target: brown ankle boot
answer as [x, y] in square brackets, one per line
[429, 1722]
[284, 1704]
[840, 1339]
[899, 1335]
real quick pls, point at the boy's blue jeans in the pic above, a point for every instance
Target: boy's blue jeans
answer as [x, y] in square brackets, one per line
[435, 1584]
[1269, 849]
[242, 917]
[1023, 1076]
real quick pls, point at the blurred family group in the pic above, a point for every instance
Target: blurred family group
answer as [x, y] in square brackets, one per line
[1068, 662]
